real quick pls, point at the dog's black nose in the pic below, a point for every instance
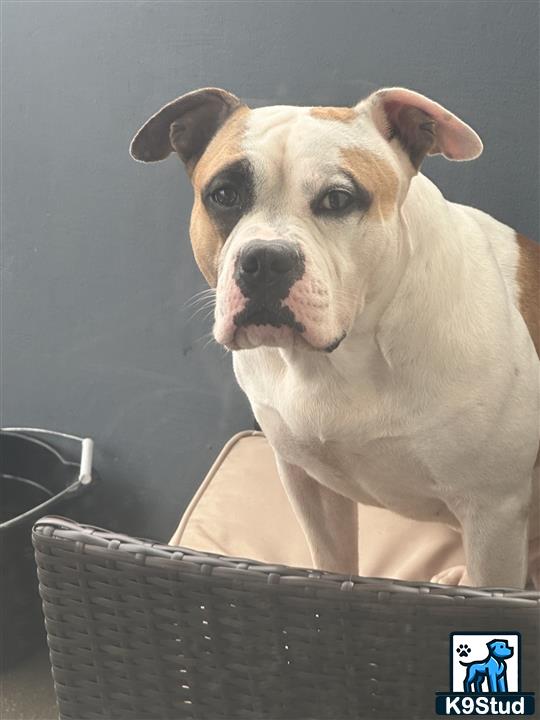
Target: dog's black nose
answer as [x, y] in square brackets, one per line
[268, 266]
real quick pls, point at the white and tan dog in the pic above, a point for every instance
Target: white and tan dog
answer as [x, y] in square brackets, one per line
[384, 336]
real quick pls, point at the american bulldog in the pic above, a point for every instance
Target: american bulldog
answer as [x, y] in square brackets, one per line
[387, 339]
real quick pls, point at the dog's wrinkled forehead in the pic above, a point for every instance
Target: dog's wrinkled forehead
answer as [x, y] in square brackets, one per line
[296, 149]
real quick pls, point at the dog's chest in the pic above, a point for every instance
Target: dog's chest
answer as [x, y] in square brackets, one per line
[358, 448]
[384, 472]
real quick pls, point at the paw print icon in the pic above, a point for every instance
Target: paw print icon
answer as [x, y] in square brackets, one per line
[463, 650]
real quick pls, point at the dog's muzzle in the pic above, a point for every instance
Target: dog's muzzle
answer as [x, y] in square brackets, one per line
[264, 272]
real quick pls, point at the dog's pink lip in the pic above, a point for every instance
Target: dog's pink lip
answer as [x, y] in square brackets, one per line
[276, 336]
[297, 337]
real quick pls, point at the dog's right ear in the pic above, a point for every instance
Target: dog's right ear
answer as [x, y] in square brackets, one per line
[185, 125]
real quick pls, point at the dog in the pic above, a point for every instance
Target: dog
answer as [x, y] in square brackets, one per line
[387, 339]
[493, 668]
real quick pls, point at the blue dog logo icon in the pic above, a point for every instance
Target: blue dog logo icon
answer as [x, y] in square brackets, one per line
[492, 668]
[485, 676]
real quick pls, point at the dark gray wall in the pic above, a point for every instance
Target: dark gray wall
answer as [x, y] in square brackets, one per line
[96, 262]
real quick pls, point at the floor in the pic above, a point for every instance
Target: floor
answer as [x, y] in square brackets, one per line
[26, 690]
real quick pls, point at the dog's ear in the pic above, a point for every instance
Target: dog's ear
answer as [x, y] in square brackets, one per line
[421, 126]
[185, 125]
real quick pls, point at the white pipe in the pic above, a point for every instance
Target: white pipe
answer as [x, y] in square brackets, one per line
[87, 451]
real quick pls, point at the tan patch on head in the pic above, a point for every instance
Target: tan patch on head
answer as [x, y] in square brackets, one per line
[341, 114]
[528, 279]
[376, 175]
[223, 149]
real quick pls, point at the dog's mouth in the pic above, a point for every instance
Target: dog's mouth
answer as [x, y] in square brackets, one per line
[246, 323]
[259, 314]
[259, 325]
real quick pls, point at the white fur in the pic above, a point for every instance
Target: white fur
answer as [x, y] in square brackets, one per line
[429, 407]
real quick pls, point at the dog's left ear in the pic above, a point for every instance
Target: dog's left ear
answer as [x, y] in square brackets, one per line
[185, 125]
[422, 126]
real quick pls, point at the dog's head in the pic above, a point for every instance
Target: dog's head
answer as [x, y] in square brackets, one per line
[296, 210]
[500, 649]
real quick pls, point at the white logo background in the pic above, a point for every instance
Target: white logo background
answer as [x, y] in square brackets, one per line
[480, 651]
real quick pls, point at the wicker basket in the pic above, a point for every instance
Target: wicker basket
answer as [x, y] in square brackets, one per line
[139, 631]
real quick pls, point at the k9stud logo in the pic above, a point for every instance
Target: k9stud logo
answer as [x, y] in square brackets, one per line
[485, 676]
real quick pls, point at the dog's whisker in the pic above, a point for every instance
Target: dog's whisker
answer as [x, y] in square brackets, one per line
[204, 291]
[207, 304]
[209, 342]
[200, 310]
[200, 301]
[200, 297]
[206, 337]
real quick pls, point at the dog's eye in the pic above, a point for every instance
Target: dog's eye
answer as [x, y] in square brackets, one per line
[226, 196]
[336, 200]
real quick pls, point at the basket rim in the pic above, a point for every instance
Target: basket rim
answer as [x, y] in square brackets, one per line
[61, 461]
[37, 442]
[100, 543]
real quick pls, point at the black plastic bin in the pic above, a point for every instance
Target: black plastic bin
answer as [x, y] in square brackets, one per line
[35, 479]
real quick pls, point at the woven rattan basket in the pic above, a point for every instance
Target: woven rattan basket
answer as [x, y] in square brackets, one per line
[139, 631]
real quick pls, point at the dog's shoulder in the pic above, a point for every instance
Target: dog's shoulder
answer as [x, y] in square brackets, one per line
[518, 259]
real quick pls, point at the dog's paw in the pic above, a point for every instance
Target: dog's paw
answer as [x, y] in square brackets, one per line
[456, 575]
[463, 650]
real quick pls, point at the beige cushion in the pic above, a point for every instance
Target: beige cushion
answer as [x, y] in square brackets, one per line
[241, 509]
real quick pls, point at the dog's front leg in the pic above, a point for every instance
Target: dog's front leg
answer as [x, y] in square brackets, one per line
[495, 542]
[329, 520]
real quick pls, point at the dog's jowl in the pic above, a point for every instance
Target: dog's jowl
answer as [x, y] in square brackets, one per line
[384, 336]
